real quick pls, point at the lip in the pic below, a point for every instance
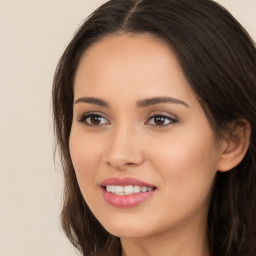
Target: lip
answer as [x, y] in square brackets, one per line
[126, 201]
[125, 181]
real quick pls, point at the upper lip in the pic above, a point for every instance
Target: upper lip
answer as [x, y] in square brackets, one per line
[125, 181]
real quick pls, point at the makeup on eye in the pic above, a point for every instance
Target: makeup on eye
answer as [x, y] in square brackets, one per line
[93, 119]
[161, 120]
[97, 119]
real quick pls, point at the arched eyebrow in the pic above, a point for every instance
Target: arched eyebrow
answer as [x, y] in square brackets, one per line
[159, 100]
[140, 103]
[92, 100]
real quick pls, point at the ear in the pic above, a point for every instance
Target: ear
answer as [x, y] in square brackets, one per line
[234, 145]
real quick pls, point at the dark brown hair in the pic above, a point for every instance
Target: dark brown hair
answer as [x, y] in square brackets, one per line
[218, 58]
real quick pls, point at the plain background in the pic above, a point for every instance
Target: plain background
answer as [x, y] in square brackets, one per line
[33, 35]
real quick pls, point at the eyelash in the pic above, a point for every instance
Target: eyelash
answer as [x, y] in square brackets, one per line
[85, 116]
[164, 117]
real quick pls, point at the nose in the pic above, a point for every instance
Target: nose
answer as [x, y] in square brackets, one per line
[123, 149]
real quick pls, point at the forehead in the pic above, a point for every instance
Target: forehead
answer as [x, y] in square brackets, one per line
[130, 65]
[115, 50]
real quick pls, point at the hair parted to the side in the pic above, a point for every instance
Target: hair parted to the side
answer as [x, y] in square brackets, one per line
[218, 58]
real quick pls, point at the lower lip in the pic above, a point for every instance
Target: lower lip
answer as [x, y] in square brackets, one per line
[126, 201]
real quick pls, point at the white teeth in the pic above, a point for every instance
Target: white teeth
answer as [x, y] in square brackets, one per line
[136, 189]
[144, 189]
[112, 189]
[127, 190]
[119, 189]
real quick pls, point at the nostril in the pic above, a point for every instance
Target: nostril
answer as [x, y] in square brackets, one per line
[130, 164]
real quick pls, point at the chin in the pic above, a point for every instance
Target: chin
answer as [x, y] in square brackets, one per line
[126, 229]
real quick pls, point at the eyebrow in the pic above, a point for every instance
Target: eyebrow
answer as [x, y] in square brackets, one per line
[140, 103]
[159, 100]
[92, 100]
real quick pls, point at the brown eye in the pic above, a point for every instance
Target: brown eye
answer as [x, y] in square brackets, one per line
[93, 120]
[160, 120]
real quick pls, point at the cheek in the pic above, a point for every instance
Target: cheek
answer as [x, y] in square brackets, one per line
[187, 166]
[185, 152]
[86, 154]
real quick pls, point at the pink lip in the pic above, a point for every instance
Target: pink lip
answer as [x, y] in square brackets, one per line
[125, 182]
[126, 201]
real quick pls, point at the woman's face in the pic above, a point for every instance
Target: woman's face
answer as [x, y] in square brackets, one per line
[139, 128]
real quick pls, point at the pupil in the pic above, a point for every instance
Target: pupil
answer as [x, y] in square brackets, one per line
[159, 120]
[95, 119]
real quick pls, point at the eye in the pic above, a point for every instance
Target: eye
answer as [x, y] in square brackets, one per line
[160, 120]
[92, 119]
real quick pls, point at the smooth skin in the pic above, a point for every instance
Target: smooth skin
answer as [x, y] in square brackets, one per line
[166, 142]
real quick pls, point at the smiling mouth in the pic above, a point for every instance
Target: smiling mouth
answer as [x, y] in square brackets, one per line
[127, 190]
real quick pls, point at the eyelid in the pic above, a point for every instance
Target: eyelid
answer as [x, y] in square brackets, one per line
[163, 113]
[86, 115]
[173, 119]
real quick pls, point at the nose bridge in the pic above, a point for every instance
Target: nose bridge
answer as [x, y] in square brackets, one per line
[123, 148]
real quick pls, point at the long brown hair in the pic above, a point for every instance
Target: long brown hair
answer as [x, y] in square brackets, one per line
[218, 58]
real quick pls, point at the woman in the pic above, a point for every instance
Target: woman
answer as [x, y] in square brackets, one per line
[154, 107]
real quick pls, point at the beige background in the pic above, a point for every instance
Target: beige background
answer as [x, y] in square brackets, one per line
[33, 34]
